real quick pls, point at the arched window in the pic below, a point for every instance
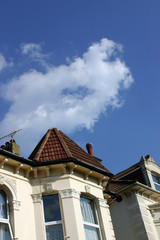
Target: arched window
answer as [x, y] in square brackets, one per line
[5, 229]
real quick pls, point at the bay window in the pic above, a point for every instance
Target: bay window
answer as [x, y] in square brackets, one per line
[90, 219]
[52, 216]
[5, 228]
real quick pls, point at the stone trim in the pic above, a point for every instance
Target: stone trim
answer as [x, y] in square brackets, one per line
[48, 187]
[101, 202]
[16, 205]
[37, 198]
[69, 193]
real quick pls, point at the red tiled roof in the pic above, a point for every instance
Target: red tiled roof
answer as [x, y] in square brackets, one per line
[117, 186]
[55, 145]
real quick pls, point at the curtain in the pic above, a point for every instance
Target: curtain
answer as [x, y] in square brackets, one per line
[91, 233]
[89, 216]
[88, 210]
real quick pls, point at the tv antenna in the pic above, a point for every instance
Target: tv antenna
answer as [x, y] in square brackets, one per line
[11, 134]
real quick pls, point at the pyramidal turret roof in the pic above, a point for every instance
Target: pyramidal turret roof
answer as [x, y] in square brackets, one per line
[56, 146]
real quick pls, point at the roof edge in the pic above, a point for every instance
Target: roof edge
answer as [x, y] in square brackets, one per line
[38, 164]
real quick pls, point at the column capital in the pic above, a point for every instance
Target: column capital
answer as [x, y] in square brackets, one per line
[37, 197]
[101, 202]
[69, 193]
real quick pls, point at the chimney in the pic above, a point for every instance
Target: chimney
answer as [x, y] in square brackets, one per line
[89, 148]
[12, 147]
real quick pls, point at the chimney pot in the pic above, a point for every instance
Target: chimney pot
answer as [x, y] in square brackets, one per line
[89, 148]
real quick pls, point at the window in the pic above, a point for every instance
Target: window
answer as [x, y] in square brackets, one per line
[156, 181]
[90, 219]
[52, 216]
[5, 229]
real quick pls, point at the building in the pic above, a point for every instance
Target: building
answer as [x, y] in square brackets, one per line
[57, 193]
[138, 215]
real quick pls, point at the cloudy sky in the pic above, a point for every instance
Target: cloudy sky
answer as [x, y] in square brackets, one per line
[89, 68]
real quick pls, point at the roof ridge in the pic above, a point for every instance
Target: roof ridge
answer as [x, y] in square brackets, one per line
[38, 154]
[63, 143]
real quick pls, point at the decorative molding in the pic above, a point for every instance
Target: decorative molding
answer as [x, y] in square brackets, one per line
[3, 162]
[88, 189]
[100, 181]
[10, 181]
[37, 197]
[71, 169]
[86, 175]
[101, 202]
[28, 171]
[70, 193]
[35, 172]
[17, 168]
[2, 180]
[47, 171]
[16, 205]
[48, 187]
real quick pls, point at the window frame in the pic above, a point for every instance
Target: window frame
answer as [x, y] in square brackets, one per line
[7, 220]
[95, 213]
[52, 223]
[154, 176]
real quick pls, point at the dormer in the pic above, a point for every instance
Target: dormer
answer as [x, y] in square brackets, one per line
[153, 172]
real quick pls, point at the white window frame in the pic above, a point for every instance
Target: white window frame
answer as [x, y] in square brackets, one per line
[93, 225]
[52, 223]
[155, 183]
[7, 220]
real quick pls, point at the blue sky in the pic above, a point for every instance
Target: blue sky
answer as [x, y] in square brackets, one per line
[90, 68]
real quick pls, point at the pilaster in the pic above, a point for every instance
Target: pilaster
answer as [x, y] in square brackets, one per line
[39, 217]
[104, 218]
[73, 222]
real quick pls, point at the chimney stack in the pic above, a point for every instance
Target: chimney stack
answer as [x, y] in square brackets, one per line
[89, 148]
[12, 147]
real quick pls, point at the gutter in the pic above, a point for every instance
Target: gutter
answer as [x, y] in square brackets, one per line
[39, 164]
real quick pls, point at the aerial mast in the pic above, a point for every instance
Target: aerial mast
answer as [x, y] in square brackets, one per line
[11, 135]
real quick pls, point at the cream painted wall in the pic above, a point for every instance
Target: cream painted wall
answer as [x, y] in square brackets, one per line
[25, 197]
[132, 219]
[19, 193]
[70, 187]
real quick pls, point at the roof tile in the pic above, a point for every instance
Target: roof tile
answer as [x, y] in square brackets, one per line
[55, 145]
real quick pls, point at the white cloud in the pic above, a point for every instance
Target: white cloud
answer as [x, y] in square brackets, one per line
[30, 47]
[3, 63]
[68, 96]
[34, 52]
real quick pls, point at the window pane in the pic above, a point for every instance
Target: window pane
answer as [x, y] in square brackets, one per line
[88, 210]
[3, 204]
[157, 187]
[156, 179]
[91, 233]
[54, 232]
[51, 208]
[4, 232]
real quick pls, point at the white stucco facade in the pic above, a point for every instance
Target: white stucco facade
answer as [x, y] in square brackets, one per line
[25, 187]
[137, 217]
